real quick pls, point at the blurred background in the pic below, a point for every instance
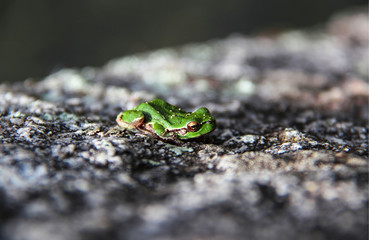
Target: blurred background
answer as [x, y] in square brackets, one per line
[41, 36]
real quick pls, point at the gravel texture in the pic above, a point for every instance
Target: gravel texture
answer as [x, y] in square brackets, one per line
[288, 160]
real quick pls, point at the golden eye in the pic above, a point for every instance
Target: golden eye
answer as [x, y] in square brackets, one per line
[193, 126]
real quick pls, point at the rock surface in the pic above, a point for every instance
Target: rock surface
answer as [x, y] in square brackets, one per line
[289, 159]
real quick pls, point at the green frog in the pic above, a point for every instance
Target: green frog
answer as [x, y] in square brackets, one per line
[167, 122]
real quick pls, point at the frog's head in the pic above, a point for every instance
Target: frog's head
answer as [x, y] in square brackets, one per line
[200, 122]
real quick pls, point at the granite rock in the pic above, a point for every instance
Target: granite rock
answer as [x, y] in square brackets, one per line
[288, 160]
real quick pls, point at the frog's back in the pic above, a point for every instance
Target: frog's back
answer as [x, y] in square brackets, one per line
[165, 113]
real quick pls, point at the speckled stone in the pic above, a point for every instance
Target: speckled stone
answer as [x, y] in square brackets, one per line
[289, 159]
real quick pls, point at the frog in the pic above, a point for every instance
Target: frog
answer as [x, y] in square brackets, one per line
[167, 122]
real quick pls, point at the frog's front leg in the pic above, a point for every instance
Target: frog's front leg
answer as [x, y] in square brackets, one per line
[159, 129]
[130, 119]
[165, 135]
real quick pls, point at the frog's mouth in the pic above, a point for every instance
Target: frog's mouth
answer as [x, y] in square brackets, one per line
[206, 127]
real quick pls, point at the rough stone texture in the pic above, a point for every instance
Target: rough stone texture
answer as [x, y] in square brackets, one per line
[289, 159]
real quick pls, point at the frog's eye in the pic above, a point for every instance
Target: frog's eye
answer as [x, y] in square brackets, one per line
[193, 126]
